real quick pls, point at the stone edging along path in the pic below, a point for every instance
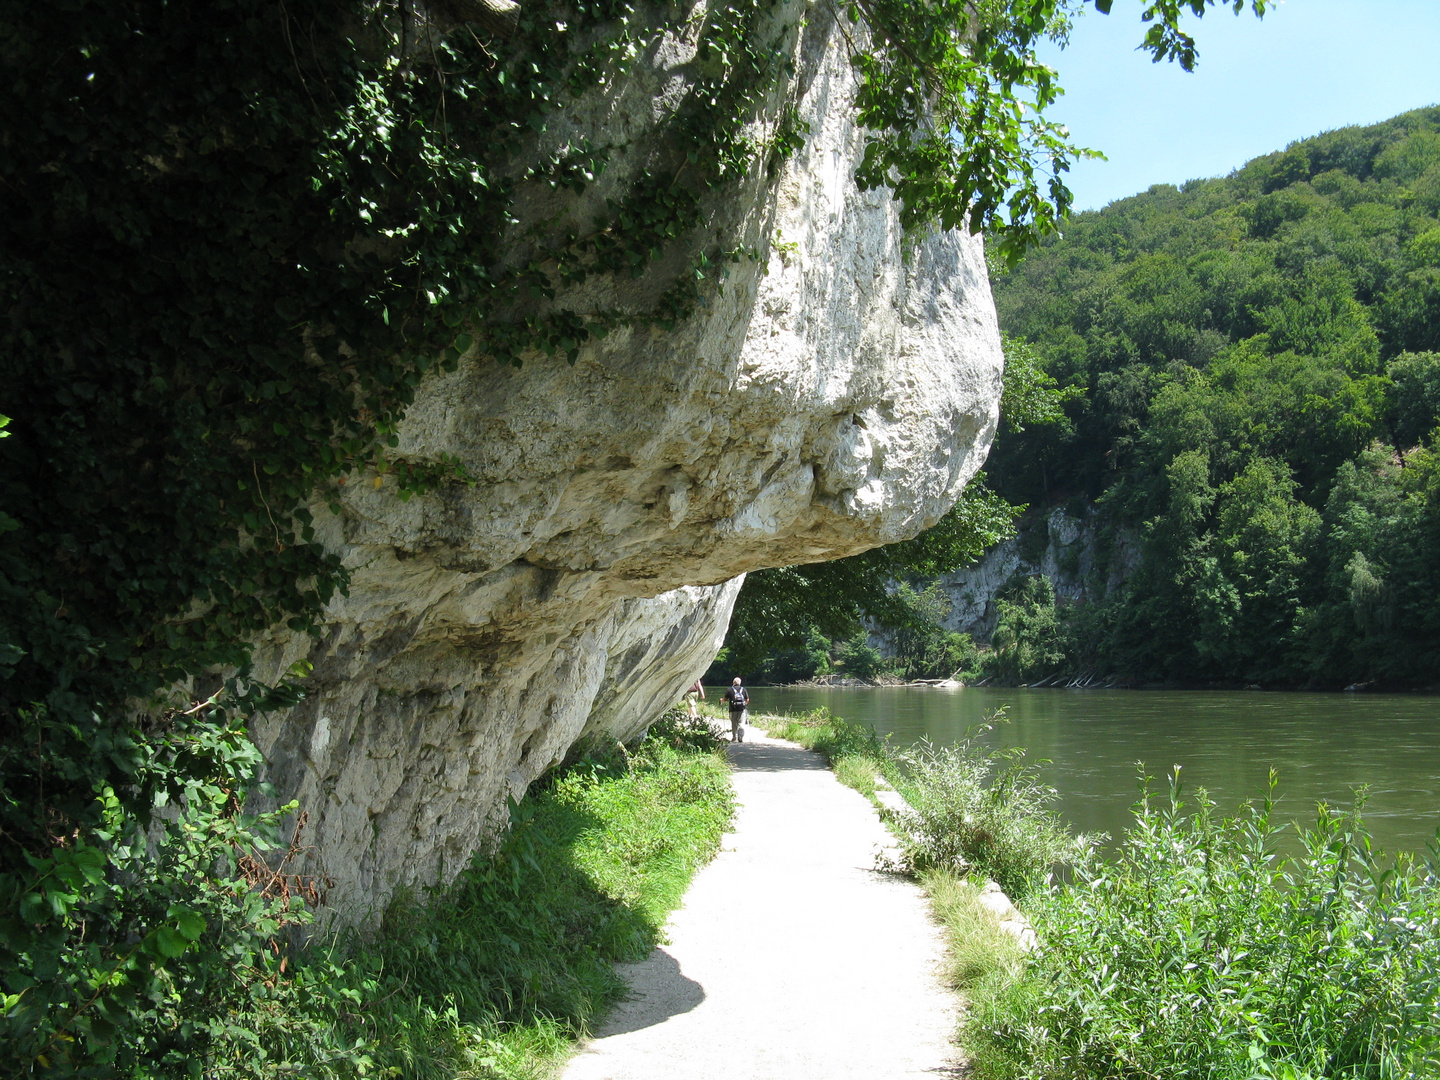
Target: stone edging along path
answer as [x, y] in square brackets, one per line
[792, 958]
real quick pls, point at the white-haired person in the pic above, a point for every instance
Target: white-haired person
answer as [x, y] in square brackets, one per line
[738, 699]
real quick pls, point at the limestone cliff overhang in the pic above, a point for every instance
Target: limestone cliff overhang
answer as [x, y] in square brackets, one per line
[837, 395]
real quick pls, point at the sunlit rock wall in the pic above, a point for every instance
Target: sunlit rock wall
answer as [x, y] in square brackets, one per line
[837, 395]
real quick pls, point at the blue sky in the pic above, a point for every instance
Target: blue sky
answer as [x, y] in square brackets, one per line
[1308, 67]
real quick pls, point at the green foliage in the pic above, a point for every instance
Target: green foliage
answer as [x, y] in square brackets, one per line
[922, 647]
[779, 609]
[1031, 395]
[832, 736]
[233, 247]
[859, 659]
[1258, 364]
[1412, 401]
[1028, 642]
[127, 947]
[971, 809]
[942, 99]
[981, 957]
[1200, 952]
[982, 811]
[814, 659]
[495, 973]
[679, 731]
[955, 101]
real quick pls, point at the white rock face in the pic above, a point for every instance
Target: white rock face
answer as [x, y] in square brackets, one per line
[835, 397]
[1082, 564]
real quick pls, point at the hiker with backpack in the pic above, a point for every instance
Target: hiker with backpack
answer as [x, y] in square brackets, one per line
[739, 701]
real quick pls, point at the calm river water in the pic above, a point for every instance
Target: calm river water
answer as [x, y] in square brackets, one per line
[1323, 745]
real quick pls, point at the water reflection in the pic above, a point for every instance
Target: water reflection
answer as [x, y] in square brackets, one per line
[1323, 745]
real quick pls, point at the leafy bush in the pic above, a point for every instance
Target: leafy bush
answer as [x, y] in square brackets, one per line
[861, 660]
[924, 649]
[677, 730]
[833, 736]
[971, 809]
[175, 959]
[982, 810]
[1029, 641]
[135, 943]
[1200, 953]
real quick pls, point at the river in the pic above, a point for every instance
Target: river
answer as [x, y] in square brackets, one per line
[1323, 745]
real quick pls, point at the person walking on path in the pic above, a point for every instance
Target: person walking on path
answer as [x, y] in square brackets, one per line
[739, 701]
[695, 691]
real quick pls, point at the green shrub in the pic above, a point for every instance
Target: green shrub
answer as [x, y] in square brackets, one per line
[833, 736]
[1199, 953]
[859, 659]
[677, 730]
[132, 945]
[492, 975]
[1029, 640]
[924, 649]
[973, 809]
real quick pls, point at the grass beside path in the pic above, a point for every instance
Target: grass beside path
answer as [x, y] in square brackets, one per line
[969, 810]
[498, 974]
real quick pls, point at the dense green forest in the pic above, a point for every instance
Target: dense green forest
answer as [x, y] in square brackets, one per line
[1253, 375]
[1262, 392]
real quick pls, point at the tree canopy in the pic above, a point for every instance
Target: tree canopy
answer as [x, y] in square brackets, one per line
[1260, 357]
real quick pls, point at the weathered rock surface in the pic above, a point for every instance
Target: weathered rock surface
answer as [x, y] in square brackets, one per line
[1081, 562]
[835, 397]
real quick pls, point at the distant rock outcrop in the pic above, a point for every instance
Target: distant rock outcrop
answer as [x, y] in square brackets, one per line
[837, 395]
[1081, 563]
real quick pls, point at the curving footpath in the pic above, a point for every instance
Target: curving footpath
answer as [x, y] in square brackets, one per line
[792, 958]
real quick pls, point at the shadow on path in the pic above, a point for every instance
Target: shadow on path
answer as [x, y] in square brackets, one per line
[763, 757]
[658, 991]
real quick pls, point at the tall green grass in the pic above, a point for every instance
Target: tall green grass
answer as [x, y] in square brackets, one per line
[1200, 954]
[495, 975]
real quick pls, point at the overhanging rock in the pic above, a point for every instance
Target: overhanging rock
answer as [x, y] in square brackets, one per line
[836, 396]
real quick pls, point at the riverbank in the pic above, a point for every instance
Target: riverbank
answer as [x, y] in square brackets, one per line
[1324, 746]
[1194, 951]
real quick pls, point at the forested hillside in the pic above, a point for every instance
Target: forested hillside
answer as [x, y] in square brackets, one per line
[1261, 382]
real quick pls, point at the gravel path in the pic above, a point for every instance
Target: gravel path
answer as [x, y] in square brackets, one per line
[791, 959]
